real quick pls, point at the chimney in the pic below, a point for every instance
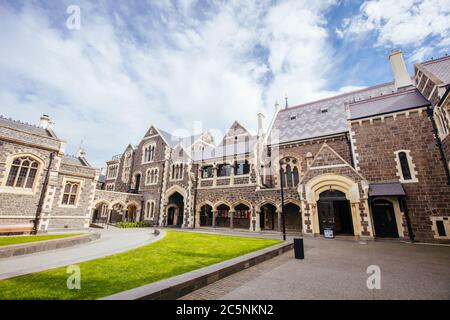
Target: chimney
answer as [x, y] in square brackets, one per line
[401, 75]
[260, 124]
[46, 123]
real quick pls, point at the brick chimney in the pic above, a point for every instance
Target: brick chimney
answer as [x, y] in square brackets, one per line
[401, 75]
[46, 123]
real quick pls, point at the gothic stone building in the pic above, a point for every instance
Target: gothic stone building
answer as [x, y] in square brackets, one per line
[370, 163]
[41, 188]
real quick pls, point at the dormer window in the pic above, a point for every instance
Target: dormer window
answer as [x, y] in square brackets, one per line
[323, 110]
[293, 117]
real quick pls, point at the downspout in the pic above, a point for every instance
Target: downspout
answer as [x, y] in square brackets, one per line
[195, 196]
[430, 114]
[42, 196]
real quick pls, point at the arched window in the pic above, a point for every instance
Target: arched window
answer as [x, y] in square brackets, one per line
[406, 171]
[149, 153]
[176, 171]
[70, 195]
[22, 173]
[152, 176]
[290, 172]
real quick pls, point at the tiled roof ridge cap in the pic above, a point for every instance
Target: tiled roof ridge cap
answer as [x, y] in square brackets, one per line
[337, 96]
[431, 61]
[388, 95]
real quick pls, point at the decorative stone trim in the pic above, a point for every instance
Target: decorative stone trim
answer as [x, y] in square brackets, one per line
[412, 167]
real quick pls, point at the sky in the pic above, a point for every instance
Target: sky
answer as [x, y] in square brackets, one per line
[189, 66]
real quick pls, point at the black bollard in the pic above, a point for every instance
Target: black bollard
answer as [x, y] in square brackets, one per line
[299, 251]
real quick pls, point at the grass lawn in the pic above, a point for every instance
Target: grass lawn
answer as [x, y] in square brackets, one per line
[177, 253]
[8, 240]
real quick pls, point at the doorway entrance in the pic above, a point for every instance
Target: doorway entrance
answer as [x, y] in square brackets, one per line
[384, 219]
[175, 210]
[334, 212]
[268, 217]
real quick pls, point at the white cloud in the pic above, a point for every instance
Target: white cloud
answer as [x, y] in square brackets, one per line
[402, 22]
[105, 84]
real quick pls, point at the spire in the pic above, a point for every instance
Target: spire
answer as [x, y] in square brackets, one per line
[286, 98]
[81, 153]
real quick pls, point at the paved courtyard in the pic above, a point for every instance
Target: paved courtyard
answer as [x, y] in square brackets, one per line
[336, 269]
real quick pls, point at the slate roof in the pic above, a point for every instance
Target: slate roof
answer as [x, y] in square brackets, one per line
[440, 68]
[401, 100]
[225, 150]
[173, 140]
[26, 127]
[75, 161]
[320, 118]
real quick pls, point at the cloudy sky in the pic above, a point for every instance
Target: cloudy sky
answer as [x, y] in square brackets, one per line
[196, 65]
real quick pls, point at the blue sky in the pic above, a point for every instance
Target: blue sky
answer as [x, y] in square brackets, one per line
[187, 66]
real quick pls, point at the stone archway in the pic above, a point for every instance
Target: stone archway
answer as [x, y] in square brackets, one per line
[175, 210]
[268, 217]
[343, 184]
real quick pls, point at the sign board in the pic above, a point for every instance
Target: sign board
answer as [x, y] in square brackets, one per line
[328, 233]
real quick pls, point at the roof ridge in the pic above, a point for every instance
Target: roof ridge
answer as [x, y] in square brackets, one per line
[382, 96]
[338, 96]
[431, 60]
[20, 122]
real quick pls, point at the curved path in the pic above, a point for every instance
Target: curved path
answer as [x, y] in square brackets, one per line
[113, 240]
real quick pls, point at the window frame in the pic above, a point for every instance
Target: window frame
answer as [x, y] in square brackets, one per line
[78, 193]
[22, 190]
[411, 166]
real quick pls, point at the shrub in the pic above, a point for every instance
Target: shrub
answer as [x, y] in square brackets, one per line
[138, 224]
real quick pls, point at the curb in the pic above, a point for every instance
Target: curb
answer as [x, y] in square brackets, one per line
[33, 247]
[178, 286]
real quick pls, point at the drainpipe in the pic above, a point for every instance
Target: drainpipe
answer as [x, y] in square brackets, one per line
[349, 143]
[430, 114]
[42, 196]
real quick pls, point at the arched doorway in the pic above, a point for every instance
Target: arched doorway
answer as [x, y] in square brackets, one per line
[100, 213]
[334, 212]
[268, 217]
[293, 217]
[130, 215]
[384, 219]
[222, 218]
[116, 213]
[175, 210]
[206, 216]
[241, 216]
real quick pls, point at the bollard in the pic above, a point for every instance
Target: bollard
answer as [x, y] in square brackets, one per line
[299, 251]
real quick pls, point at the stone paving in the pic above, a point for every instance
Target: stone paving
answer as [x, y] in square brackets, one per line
[336, 269]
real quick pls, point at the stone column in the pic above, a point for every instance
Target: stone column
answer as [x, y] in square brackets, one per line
[279, 221]
[214, 218]
[258, 221]
[231, 215]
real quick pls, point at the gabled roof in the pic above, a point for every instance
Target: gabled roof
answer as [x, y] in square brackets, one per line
[439, 68]
[320, 118]
[75, 161]
[26, 127]
[398, 101]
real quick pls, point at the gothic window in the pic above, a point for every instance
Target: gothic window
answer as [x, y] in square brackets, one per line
[22, 173]
[241, 167]
[176, 171]
[70, 195]
[224, 170]
[207, 172]
[110, 187]
[150, 209]
[149, 153]
[405, 166]
[112, 171]
[290, 172]
[152, 176]
[406, 172]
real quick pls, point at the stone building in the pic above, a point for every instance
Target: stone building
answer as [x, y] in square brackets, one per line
[41, 188]
[373, 163]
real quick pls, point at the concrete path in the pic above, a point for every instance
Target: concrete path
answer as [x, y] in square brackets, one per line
[113, 240]
[336, 269]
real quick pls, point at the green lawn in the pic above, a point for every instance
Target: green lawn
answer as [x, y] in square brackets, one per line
[8, 240]
[177, 253]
